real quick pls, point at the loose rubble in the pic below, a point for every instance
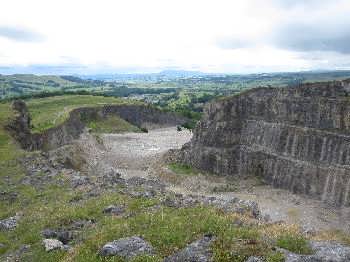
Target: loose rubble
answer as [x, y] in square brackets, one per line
[228, 205]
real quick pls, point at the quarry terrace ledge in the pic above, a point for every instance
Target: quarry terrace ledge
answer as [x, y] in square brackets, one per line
[295, 138]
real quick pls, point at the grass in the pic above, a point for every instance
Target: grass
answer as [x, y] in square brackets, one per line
[111, 124]
[182, 169]
[51, 111]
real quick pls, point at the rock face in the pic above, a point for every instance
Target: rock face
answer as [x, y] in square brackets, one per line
[142, 116]
[294, 138]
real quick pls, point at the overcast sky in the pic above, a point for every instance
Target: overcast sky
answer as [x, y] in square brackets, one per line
[233, 36]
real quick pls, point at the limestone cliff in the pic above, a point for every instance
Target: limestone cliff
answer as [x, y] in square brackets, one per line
[63, 134]
[294, 138]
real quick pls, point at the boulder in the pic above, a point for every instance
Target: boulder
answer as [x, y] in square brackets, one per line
[52, 244]
[8, 223]
[127, 248]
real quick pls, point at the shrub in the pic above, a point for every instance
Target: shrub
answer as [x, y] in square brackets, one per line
[143, 129]
[294, 243]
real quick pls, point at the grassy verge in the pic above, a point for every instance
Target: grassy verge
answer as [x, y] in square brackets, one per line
[183, 169]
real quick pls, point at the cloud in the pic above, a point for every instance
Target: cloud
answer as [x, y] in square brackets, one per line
[294, 3]
[234, 42]
[20, 34]
[310, 27]
[319, 36]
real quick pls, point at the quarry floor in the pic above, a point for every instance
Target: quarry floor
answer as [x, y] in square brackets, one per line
[140, 154]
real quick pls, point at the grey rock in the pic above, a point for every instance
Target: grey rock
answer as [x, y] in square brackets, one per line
[2, 245]
[254, 259]
[323, 252]
[227, 205]
[114, 210]
[79, 180]
[49, 233]
[65, 236]
[52, 244]
[79, 224]
[280, 135]
[8, 223]
[198, 251]
[331, 251]
[127, 248]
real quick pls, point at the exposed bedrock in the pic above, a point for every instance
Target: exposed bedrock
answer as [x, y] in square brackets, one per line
[295, 138]
[143, 116]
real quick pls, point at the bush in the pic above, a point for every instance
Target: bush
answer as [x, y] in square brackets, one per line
[144, 129]
[294, 243]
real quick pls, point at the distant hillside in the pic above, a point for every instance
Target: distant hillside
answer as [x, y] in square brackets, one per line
[28, 84]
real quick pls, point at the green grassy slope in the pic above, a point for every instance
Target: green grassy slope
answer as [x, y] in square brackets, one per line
[51, 111]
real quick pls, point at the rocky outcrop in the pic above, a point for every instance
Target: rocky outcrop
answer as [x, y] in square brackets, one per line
[127, 248]
[143, 116]
[196, 251]
[295, 138]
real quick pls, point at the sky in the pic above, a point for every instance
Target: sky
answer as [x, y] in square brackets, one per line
[217, 36]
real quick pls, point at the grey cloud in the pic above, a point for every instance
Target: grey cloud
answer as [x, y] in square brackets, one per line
[317, 37]
[20, 34]
[324, 34]
[319, 25]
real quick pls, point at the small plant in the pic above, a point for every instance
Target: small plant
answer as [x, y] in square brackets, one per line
[274, 257]
[294, 243]
[225, 188]
[182, 169]
[143, 129]
[179, 128]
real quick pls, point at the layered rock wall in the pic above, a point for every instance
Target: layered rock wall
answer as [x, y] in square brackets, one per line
[63, 134]
[295, 138]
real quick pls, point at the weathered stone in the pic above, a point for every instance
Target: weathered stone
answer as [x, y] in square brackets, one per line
[323, 252]
[52, 244]
[49, 233]
[198, 251]
[227, 205]
[254, 259]
[8, 223]
[114, 210]
[127, 248]
[65, 236]
[294, 138]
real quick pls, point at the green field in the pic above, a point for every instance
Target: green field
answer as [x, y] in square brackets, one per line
[48, 112]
